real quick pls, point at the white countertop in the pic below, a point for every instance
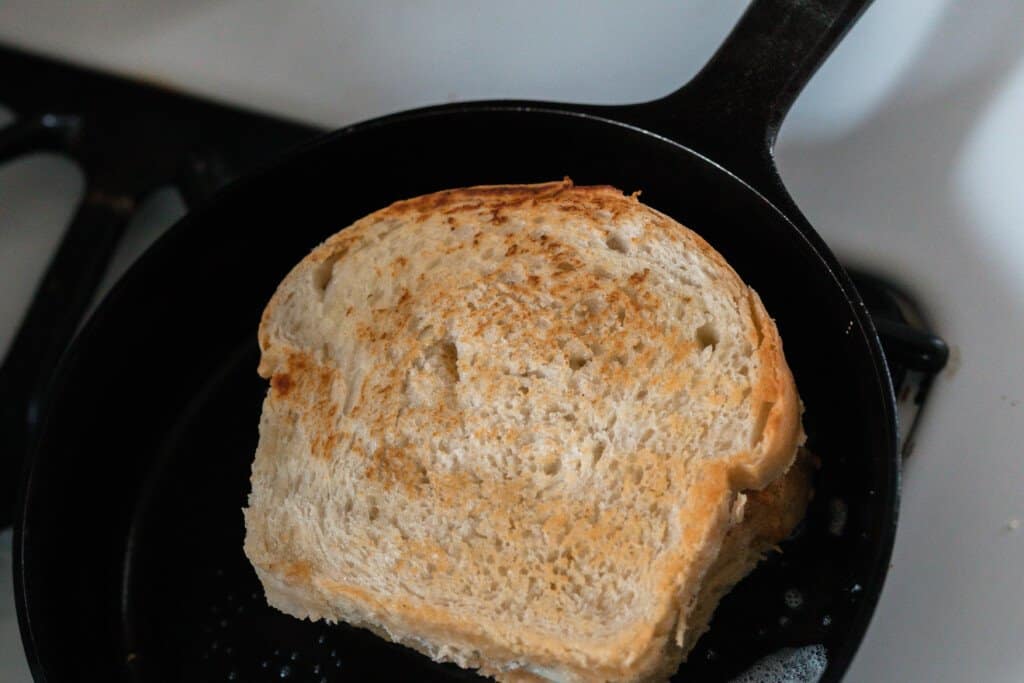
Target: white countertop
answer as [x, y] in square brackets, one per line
[906, 152]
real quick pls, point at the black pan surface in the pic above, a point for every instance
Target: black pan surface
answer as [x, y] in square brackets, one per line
[129, 546]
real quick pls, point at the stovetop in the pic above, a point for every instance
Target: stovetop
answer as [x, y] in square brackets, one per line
[905, 153]
[146, 154]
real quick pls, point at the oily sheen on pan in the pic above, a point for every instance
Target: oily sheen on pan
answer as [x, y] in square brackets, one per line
[535, 430]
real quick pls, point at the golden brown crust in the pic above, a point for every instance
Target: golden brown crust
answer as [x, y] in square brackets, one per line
[318, 400]
[782, 431]
[767, 517]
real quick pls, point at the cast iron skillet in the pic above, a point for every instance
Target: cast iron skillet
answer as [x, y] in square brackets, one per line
[129, 545]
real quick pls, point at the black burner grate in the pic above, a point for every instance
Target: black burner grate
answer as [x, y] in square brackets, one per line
[129, 139]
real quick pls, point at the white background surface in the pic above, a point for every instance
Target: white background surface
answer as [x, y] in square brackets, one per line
[906, 152]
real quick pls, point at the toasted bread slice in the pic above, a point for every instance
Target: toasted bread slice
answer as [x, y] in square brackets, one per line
[511, 427]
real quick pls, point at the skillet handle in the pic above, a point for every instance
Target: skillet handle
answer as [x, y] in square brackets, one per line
[732, 109]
